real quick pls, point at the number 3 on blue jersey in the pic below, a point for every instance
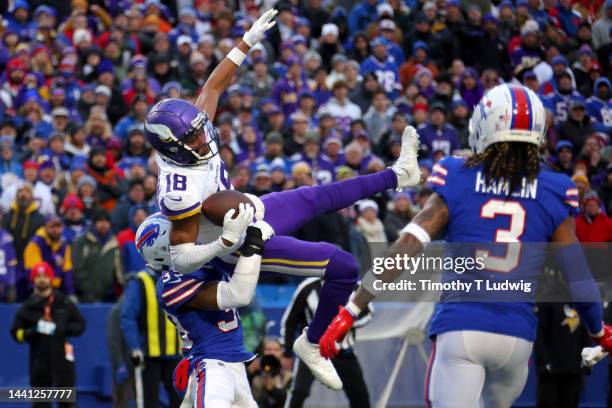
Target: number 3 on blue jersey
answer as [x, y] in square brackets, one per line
[515, 210]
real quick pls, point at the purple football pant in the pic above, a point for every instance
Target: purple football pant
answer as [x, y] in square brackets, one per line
[289, 210]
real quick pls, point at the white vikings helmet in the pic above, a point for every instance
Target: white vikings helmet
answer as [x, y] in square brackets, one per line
[153, 241]
[507, 113]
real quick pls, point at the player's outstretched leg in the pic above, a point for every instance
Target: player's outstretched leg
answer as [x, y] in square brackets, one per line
[289, 210]
[340, 272]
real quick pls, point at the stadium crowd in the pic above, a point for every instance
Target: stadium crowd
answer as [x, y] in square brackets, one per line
[325, 97]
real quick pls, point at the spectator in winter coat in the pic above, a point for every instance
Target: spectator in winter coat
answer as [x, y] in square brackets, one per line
[48, 245]
[592, 224]
[135, 196]
[578, 125]
[132, 260]
[378, 117]
[98, 269]
[399, 216]
[75, 223]
[370, 226]
[23, 219]
[110, 183]
[564, 159]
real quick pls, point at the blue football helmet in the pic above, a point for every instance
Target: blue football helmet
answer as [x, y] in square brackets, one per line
[172, 123]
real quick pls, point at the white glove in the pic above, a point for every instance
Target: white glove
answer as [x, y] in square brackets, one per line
[259, 28]
[260, 208]
[45, 327]
[234, 228]
[592, 356]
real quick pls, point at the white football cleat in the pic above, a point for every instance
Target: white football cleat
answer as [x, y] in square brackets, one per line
[321, 368]
[407, 167]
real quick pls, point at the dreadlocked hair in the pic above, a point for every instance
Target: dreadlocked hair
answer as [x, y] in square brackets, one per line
[508, 161]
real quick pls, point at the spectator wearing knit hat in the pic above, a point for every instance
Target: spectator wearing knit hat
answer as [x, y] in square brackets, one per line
[370, 226]
[23, 218]
[437, 135]
[578, 124]
[75, 223]
[135, 196]
[384, 66]
[399, 215]
[378, 117]
[592, 224]
[136, 116]
[564, 157]
[599, 106]
[98, 268]
[48, 245]
[110, 183]
[529, 53]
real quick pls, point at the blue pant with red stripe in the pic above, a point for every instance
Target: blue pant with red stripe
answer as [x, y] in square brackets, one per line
[289, 210]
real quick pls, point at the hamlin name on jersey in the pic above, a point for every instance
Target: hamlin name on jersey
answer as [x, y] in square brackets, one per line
[491, 218]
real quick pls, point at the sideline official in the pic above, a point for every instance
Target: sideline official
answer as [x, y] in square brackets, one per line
[151, 337]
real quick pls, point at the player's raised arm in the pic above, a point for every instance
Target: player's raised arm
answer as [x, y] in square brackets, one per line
[429, 222]
[239, 291]
[222, 75]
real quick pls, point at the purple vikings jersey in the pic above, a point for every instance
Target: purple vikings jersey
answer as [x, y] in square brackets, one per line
[485, 213]
[205, 334]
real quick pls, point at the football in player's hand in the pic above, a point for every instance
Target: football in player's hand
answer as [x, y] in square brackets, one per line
[215, 206]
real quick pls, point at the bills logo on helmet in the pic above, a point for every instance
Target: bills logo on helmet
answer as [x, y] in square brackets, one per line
[149, 235]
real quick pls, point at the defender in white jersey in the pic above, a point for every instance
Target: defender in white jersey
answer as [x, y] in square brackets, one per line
[191, 170]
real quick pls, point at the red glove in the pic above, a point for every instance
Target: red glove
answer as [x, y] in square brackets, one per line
[605, 341]
[181, 376]
[335, 333]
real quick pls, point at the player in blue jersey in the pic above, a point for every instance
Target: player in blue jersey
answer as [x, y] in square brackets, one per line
[501, 194]
[203, 306]
[599, 106]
